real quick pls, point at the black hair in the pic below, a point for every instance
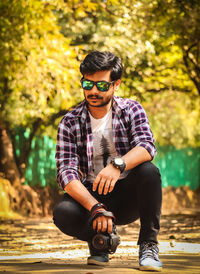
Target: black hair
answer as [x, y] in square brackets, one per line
[101, 61]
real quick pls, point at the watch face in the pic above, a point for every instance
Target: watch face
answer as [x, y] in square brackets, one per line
[118, 161]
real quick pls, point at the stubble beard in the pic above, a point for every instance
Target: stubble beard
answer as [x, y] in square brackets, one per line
[101, 104]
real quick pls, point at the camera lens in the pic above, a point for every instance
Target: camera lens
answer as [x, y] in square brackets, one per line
[100, 242]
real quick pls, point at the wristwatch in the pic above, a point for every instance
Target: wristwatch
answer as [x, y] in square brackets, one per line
[119, 163]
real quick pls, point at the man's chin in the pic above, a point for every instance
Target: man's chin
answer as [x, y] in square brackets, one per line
[98, 104]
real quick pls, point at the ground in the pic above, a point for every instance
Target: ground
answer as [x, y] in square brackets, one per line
[36, 246]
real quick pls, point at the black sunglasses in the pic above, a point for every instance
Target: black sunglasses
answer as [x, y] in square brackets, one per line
[101, 85]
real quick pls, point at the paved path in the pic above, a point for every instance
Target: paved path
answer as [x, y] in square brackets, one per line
[37, 246]
[175, 264]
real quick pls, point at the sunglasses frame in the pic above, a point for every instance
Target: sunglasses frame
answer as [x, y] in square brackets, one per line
[95, 83]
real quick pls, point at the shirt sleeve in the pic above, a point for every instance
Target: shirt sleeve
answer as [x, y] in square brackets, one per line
[66, 155]
[141, 134]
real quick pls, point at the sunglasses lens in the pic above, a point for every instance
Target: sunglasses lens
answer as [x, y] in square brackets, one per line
[103, 86]
[86, 84]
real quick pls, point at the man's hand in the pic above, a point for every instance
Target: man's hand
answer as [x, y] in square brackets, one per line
[103, 224]
[106, 179]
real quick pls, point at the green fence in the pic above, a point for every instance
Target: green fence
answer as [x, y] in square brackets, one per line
[177, 167]
[41, 168]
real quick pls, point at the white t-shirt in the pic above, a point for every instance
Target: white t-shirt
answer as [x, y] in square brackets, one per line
[103, 146]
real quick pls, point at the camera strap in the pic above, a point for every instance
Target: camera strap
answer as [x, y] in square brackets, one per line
[99, 213]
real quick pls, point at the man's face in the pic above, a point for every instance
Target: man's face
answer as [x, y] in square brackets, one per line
[94, 97]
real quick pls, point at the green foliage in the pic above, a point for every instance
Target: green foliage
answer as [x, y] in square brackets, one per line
[43, 42]
[174, 118]
[160, 56]
[38, 67]
[178, 22]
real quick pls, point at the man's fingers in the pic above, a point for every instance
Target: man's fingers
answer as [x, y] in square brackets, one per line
[101, 186]
[106, 187]
[106, 179]
[112, 185]
[110, 225]
[96, 182]
[99, 226]
[107, 225]
[99, 182]
[94, 224]
[103, 224]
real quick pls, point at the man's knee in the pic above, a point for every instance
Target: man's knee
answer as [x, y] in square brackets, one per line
[61, 212]
[72, 219]
[149, 172]
[66, 211]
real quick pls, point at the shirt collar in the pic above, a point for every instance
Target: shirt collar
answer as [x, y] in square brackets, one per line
[118, 104]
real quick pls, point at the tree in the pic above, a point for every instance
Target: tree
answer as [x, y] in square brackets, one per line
[42, 43]
[39, 75]
[37, 71]
[156, 43]
[38, 68]
[172, 30]
[179, 21]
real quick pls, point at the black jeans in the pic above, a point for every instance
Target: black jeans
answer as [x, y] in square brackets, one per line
[139, 195]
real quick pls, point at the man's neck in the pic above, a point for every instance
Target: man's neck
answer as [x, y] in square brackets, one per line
[99, 112]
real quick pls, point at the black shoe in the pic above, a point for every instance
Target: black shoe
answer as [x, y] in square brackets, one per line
[148, 257]
[97, 257]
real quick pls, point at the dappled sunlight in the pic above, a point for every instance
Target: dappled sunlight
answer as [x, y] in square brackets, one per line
[34, 236]
[5, 206]
[42, 44]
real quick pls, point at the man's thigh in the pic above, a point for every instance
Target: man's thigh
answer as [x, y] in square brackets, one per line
[126, 198]
[122, 201]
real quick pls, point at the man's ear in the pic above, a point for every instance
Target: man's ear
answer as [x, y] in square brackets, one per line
[117, 83]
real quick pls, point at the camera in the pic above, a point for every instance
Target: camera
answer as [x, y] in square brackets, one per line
[106, 242]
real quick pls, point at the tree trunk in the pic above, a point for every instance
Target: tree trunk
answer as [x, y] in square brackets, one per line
[191, 61]
[22, 199]
[7, 161]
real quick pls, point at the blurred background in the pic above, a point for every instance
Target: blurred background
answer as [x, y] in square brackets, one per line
[41, 46]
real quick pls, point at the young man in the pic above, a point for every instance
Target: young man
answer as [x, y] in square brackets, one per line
[104, 152]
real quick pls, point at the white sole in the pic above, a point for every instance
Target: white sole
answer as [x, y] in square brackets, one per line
[150, 268]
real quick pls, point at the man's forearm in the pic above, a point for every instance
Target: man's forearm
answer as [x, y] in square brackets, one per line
[136, 156]
[80, 193]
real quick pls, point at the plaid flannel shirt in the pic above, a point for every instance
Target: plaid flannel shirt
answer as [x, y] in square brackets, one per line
[74, 150]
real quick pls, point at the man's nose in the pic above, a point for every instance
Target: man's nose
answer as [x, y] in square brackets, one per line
[95, 89]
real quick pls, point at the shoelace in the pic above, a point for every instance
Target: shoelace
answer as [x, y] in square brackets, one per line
[149, 250]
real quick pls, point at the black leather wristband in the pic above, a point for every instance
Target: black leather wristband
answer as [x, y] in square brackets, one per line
[97, 206]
